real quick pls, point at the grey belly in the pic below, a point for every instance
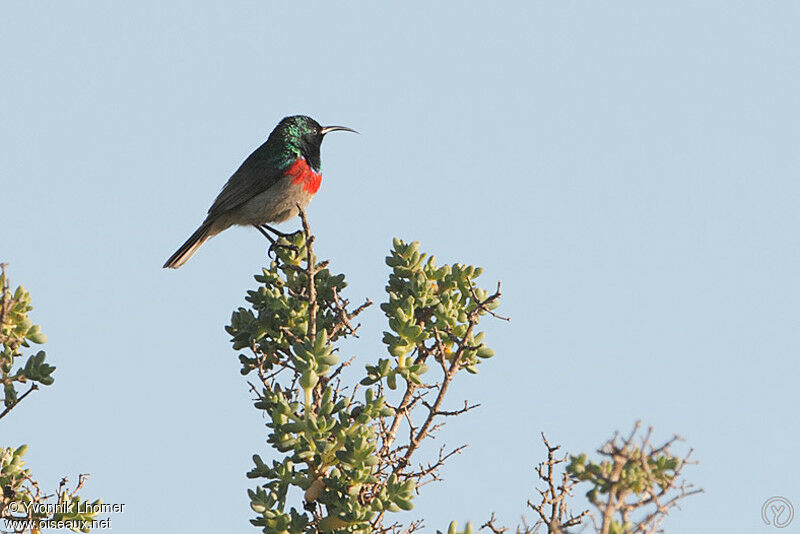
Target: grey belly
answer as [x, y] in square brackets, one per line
[276, 204]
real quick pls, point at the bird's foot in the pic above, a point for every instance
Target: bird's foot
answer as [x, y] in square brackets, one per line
[268, 228]
[276, 244]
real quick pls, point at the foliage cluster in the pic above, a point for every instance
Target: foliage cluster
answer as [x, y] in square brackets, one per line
[341, 447]
[23, 506]
[345, 450]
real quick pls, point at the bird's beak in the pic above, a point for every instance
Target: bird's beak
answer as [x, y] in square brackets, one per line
[328, 129]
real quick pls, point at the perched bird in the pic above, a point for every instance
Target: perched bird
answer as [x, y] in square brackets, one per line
[278, 176]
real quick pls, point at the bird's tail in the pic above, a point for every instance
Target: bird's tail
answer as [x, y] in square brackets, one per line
[187, 250]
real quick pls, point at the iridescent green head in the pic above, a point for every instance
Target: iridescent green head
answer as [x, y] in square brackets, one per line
[300, 135]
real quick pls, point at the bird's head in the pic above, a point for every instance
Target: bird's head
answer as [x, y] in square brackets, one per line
[302, 136]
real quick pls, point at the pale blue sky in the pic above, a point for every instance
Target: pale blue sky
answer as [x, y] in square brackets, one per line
[628, 170]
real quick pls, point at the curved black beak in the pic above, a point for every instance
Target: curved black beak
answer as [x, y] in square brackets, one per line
[328, 129]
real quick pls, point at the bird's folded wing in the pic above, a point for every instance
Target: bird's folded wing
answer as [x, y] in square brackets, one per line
[250, 180]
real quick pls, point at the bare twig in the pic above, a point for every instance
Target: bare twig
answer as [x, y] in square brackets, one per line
[311, 271]
[482, 304]
[494, 528]
[552, 508]
[33, 388]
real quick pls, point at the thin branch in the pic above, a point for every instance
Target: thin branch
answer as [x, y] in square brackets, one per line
[482, 304]
[491, 526]
[33, 388]
[311, 271]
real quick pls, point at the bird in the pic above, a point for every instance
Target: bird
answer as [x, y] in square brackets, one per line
[274, 182]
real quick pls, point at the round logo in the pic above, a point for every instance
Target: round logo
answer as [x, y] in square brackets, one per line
[777, 511]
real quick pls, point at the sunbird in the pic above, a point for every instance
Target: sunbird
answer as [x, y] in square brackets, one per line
[279, 176]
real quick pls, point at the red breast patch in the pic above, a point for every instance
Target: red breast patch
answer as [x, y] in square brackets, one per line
[300, 172]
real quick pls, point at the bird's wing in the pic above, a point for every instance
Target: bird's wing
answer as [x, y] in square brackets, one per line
[255, 176]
